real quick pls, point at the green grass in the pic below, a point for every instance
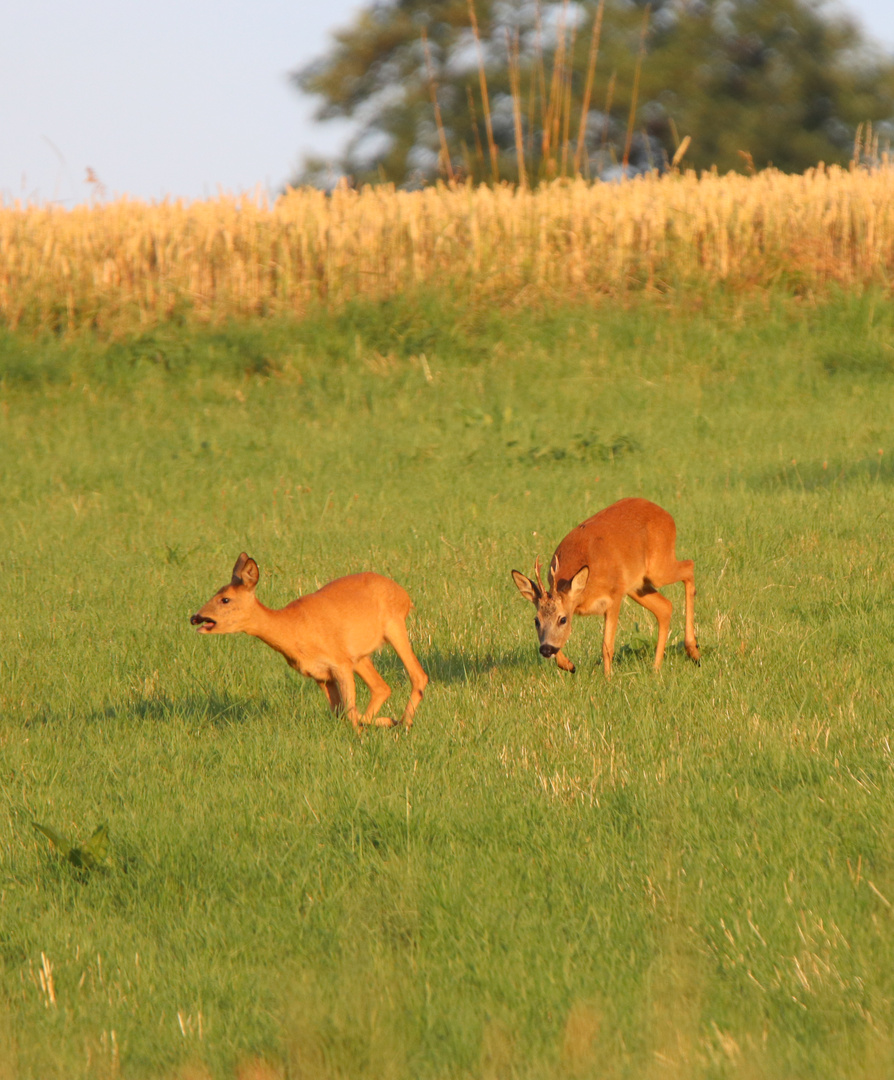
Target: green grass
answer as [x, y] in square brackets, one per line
[685, 875]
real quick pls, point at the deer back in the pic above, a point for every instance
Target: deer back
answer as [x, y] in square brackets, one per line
[620, 546]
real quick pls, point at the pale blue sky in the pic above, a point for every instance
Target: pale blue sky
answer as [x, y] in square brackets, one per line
[180, 97]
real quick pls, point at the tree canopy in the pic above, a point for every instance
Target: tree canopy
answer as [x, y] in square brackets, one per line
[510, 88]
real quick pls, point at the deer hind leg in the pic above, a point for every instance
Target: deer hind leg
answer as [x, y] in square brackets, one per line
[397, 637]
[661, 608]
[379, 692]
[688, 578]
[682, 570]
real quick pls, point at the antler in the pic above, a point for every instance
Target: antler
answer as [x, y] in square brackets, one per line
[537, 574]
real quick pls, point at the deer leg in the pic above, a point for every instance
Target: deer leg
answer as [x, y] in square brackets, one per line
[610, 629]
[683, 570]
[344, 680]
[689, 640]
[330, 689]
[397, 637]
[379, 690]
[564, 663]
[661, 608]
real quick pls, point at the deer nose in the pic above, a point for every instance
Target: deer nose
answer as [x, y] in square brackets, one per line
[548, 650]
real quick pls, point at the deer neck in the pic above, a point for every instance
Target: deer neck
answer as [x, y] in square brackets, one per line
[267, 623]
[272, 625]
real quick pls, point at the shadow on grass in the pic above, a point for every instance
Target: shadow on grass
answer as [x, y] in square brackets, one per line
[642, 653]
[817, 475]
[220, 710]
[455, 667]
[216, 710]
[871, 358]
[632, 656]
[458, 667]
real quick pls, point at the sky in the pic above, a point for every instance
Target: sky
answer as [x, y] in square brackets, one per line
[178, 98]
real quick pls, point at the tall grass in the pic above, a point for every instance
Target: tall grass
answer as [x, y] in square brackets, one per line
[119, 264]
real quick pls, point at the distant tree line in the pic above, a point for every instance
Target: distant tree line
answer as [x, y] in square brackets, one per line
[527, 90]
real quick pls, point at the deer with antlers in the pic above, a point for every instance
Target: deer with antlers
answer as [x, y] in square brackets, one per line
[627, 549]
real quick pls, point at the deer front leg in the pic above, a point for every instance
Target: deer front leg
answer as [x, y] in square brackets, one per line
[330, 689]
[608, 635]
[344, 680]
[564, 663]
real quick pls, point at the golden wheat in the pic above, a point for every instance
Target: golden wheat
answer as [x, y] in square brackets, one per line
[109, 264]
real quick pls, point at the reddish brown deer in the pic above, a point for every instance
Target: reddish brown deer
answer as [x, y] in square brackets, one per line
[627, 549]
[327, 635]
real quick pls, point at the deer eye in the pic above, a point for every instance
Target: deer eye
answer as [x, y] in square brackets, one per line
[537, 623]
[562, 621]
[225, 599]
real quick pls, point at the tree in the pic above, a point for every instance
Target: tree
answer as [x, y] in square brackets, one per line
[489, 88]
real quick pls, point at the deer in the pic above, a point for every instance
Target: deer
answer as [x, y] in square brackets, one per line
[627, 549]
[328, 635]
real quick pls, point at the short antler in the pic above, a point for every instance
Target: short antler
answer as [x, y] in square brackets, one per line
[537, 574]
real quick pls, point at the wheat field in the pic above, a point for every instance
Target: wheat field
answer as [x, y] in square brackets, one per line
[123, 263]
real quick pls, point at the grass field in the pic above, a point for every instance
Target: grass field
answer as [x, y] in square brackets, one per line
[682, 875]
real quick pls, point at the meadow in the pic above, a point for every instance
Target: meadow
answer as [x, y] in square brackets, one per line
[688, 874]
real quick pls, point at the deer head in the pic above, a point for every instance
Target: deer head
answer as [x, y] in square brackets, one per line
[231, 608]
[555, 605]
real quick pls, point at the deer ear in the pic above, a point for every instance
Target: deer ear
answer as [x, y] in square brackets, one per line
[526, 587]
[246, 572]
[578, 583]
